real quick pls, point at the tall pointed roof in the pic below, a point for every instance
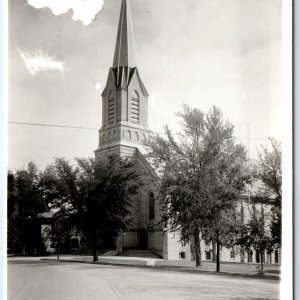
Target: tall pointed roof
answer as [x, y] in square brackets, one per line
[124, 51]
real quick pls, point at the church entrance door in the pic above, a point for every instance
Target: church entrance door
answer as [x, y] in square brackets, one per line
[143, 239]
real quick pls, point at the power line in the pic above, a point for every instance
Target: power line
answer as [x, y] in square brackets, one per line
[51, 125]
[94, 128]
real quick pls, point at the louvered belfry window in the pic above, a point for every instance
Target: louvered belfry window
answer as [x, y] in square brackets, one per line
[135, 108]
[111, 108]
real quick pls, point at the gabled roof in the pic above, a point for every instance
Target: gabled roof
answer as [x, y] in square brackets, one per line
[146, 164]
[122, 77]
[124, 51]
[143, 88]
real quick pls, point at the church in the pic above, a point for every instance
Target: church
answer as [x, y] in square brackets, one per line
[124, 128]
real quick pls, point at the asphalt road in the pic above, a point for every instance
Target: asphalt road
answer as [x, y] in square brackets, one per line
[40, 280]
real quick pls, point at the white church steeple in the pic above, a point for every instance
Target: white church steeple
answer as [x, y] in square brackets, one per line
[124, 98]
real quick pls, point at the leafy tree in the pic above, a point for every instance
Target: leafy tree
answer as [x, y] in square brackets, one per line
[269, 174]
[59, 231]
[24, 205]
[255, 234]
[12, 214]
[59, 185]
[96, 197]
[224, 232]
[107, 188]
[201, 174]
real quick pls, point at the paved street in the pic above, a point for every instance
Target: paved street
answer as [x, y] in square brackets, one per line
[42, 280]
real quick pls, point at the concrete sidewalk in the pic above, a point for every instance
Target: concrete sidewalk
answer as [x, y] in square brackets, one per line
[230, 269]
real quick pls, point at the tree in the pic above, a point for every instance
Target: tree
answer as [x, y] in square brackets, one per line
[255, 234]
[201, 174]
[13, 239]
[24, 205]
[224, 232]
[59, 231]
[107, 188]
[269, 173]
[60, 187]
[95, 197]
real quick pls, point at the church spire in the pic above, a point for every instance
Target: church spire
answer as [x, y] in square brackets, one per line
[124, 98]
[124, 51]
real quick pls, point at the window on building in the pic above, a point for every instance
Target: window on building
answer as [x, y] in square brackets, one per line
[182, 255]
[151, 206]
[250, 255]
[111, 108]
[208, 255]
[135, 108]
[232, 254]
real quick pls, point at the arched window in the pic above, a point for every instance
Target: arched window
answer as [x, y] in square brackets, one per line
[135, 107]
[111, 108]
[151, 203]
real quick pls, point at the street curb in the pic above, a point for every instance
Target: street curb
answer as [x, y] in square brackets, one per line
[143, 264]
[189, 270]
[132, 263]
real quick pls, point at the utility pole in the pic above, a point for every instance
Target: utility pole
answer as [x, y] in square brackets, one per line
[248, 185]
[248, 139]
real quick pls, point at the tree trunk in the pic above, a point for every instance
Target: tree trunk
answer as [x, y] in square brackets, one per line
[242, 255]
[261, 259]
[95, 254]
[57, 252]
[250, 255]
[213, 251]
[218, 255]
[197, 248]
[263, 235]
[94, 245]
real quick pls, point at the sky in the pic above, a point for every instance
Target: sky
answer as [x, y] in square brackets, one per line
[197, 52]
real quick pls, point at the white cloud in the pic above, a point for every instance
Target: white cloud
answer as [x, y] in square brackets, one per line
[36, 62]
[83, 10]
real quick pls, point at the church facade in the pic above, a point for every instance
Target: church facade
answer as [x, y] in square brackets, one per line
[124, 128]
